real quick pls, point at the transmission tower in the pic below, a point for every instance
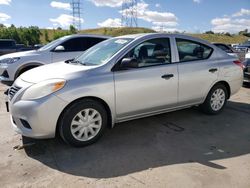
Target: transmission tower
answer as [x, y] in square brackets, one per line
[76, 13]
[129, 13]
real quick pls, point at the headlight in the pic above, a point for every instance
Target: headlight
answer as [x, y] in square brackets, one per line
[9, 60]
[43, 89]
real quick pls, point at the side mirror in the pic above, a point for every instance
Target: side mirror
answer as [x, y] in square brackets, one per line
[59, 48]
[129, 63]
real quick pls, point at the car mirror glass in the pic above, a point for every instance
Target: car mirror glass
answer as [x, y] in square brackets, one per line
[129, 63]
[59, 48]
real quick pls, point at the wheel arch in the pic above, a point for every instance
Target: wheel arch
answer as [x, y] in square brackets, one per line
[225, 83]
[26, 67]
[106, 106]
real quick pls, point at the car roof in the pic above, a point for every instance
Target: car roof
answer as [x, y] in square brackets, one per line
[184, 36]
[89, 35]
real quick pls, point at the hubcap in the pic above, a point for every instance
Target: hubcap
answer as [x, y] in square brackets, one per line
[86, 124]
[217, 99]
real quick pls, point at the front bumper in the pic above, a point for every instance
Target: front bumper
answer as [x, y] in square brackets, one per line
[40, 114]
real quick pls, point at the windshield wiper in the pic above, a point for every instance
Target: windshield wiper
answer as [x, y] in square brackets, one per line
[69, 60]
[73, 61]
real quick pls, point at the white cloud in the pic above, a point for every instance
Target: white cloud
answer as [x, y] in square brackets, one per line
[65, 20]
[168, 30]
[167, 19]
[230, 25]
[197, 1]
[4, 17]
[157, 5]
[165, 24]
[220, 21]
[5, 2]
[108, 3]
[110, 23]
[60, 5]
[151, 16]
[242, 12]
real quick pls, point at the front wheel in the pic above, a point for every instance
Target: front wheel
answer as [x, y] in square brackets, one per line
[83, 123]
[216, 100]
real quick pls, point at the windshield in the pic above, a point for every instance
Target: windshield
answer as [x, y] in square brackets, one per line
[47, 46]
[103, 51]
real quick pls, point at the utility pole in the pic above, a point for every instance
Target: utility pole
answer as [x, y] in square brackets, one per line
[76, 13]
[129, 13]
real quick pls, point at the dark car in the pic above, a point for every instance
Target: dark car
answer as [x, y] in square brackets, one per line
[9, 46]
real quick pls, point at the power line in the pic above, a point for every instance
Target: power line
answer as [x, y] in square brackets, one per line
[129, 13]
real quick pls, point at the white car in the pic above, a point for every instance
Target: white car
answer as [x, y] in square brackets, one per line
[65, 48]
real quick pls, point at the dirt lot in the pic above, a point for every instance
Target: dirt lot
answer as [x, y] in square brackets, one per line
[178, 149]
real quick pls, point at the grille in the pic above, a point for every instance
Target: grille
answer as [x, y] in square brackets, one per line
[12, 91]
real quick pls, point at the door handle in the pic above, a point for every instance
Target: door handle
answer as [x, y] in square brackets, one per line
[167, 76]
[213, 70]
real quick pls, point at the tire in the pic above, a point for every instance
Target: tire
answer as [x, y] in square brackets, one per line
[78, 128]
[209, 107]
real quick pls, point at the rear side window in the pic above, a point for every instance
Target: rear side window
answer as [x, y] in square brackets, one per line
[80, 43]
[191, 51]
[224, 48]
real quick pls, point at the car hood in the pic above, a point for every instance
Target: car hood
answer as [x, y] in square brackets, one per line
[20, 54]
[54, 70]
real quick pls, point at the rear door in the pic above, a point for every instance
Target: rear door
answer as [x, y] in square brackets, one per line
[197, 69]
[74, 47]
[150, 87]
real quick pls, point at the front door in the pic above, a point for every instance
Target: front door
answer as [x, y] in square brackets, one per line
[150, 87]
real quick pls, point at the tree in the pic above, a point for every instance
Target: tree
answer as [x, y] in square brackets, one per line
[209, 32]
[46, 36]
[59, 28]
[72, 29]
[228, 34]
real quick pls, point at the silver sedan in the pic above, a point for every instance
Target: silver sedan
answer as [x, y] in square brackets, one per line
[121, 79]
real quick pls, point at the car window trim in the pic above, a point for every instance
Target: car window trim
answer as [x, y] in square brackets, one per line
[196, 42]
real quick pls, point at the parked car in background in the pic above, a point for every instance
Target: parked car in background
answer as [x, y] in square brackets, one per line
[247, 69]
[244, 47]
[120, 79]
[9, 46]
[231, 51]
[68, 47]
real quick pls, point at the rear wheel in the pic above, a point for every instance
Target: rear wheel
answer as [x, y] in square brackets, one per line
[83, 123]
[216, 100]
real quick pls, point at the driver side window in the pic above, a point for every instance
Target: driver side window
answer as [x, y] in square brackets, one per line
[151, 52]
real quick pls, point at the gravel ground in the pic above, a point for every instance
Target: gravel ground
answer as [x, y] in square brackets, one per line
[179, 149]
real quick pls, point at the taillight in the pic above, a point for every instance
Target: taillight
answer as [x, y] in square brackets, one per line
[239, 64]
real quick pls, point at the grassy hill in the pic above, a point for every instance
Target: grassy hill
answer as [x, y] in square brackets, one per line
[126, 30]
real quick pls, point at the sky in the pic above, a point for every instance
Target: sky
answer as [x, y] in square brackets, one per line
[193, 16]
